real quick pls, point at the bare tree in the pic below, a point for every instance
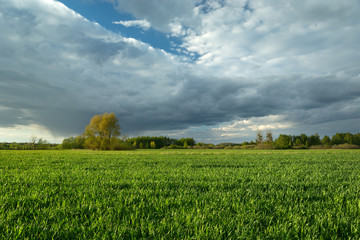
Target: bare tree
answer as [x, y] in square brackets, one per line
[269, 138]
[33, 140]
[259, 138]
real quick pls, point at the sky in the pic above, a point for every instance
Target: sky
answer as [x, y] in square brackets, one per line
[214, 70]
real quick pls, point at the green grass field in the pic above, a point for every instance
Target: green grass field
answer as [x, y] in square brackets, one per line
[180, 194]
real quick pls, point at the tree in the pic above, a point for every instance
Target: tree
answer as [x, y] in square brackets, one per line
[283, 142]
[338, 138]
[33, 140]
[67, 143]
[298, 142]
[304, 138]
[348, 138]
[314, 140]
[189, 142]
[269, 138]
[42, 144]
[73, 143]
[79, 142]
[153, 145]
[326, 140]
[259, 138]
[102, 131]
[356, 139]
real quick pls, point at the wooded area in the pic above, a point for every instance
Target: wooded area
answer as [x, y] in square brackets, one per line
[103, 133]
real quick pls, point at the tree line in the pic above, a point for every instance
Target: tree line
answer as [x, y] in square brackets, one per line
[34, 144]
[302, 141]
[143, 142]
[103, 133]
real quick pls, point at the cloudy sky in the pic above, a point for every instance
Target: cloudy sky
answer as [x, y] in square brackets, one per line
[215, 70]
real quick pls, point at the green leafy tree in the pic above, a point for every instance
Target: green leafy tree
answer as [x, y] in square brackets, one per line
[102, 131]
[356, 139]
[314, 140]
[326, 140]
[298, 142]
[119, 144]
[283, 142]
[189, 142]
[74, 143]
[348, 138]
[67, 143]
[79, 142]
[152, 145]
[337, 139]
[304, 138]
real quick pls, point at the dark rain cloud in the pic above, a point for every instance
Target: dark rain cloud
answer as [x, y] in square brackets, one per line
[57, 70]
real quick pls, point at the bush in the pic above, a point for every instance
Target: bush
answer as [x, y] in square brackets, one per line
[173, 146]
[345, 146]
[118, 144]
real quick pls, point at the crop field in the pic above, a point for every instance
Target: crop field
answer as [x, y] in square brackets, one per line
[180, 194]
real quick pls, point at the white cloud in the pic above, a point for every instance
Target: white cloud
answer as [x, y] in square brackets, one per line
[279, 37]
[278, 65]
[271, 122]
[24, 133]
[246, 129]
[159, 13]
[135, 23]
[73, 65]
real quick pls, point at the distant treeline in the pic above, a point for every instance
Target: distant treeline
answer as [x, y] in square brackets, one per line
[303, 141]
[35, 144]
[79, 142]
[339, 140]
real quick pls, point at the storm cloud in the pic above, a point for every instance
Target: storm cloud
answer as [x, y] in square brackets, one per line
[256, 60]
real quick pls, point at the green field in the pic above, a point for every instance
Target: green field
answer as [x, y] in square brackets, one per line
[180, 194]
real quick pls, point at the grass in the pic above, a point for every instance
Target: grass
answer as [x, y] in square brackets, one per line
[180, 194]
